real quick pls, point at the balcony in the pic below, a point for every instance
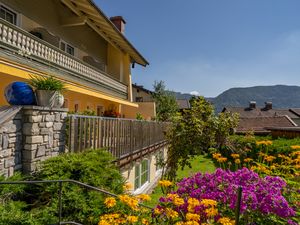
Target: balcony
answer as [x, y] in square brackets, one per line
[21, 42]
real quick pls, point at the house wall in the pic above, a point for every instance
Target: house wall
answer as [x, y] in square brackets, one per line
[137, 92]
[128, 172]
[146, 109]
[86, 41]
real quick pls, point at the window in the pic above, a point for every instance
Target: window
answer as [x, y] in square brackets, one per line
[76, 108]
[8, 15]
[67, 48]
[141, 174]
[139, 99]
[100, 110]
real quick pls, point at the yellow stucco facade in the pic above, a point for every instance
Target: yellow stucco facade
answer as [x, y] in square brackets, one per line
[94, 61]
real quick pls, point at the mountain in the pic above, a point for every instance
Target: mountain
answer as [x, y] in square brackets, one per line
[282, 96]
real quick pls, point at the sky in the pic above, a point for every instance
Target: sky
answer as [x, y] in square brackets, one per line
[208, 46]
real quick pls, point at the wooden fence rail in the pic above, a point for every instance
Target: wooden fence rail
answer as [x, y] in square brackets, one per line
[122, 137]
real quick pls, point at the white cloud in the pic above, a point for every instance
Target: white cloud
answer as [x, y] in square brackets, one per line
[196, 93]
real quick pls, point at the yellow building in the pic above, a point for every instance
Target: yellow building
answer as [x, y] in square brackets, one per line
[72, 40]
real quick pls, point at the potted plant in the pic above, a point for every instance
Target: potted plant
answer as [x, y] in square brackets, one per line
[48, 91]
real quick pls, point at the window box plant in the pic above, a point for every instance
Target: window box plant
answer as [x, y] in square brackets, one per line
[48, 91]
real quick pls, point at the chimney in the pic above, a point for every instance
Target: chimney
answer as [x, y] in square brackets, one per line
[119, 22]
[252, 104]
[268, 105]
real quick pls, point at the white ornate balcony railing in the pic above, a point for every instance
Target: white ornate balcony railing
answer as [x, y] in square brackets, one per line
[23, 42]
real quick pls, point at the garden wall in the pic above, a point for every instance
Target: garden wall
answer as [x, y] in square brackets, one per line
[29, 137]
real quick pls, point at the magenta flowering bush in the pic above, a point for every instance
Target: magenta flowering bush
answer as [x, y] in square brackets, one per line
[262, 199]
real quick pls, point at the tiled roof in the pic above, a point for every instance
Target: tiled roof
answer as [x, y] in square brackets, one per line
[262, 112]
[260, 124]
[183, 103]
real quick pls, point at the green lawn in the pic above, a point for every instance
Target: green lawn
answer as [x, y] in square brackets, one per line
[199, 164]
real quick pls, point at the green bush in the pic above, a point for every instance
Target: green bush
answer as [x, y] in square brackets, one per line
[39, 203]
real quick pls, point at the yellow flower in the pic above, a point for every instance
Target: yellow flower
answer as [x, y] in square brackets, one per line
[208, 202]
[178, 201]
[127, 186]
[264, 143]
[269, 158]
[237, 161]
[158, 211]
[191, 223]
[193, 202]
[143, 197]
[179, 223]
[171, 213]
[110, 202]
[172, 196]
[130, 201]
[222, 159]
[103, 222]
[145, 221]
[210, 212]
[192, 216]
[248, 160]
[235, 156]
[165, 183]
[132, 219]
[226, 221]
[295, 147]
[216, 155]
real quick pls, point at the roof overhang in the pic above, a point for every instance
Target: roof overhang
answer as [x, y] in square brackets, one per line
[98, 21]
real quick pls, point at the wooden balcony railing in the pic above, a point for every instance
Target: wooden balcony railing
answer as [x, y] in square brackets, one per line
[24, 43]
[122, 137]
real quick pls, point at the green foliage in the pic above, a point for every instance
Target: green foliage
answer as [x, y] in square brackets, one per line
[166, 105]
[46, 83]
[39, 203]
[139, 116]
[194, 132]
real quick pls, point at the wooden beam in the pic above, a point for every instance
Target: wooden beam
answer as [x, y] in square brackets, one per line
[73, 21]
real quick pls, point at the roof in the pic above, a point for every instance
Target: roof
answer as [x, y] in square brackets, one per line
[140, 87]
[98, 21]
[183, 103]
[262, 112]
[261, 124]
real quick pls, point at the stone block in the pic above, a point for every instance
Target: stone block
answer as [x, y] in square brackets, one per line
[42, 125]
[49, 118]
[11, 135]
[12, 140]
[49, 124]
[5, 141]
[58, 126]
[9, 162]
[28, 155]
[5, 153]
[57, 117]
[29, 167]
[45, 130]
[12, 145]
[41, 151]
[63, 116]
[30, 147]
[11, 171]
[31, 129]
[34, 139]
[46, 138]
[35, 119]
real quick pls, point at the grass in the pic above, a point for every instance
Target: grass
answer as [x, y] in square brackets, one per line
[199, 164]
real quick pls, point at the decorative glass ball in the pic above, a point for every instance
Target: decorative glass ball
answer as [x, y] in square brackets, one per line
[19, 93]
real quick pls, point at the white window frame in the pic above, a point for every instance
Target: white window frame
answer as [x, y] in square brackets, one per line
[67, 45]
[13, 11]
[141, 186]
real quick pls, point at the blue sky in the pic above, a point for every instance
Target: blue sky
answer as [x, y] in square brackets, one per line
[209, 46]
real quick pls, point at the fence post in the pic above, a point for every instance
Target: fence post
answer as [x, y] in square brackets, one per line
[60, 202]
[72, 137]
[238, 206]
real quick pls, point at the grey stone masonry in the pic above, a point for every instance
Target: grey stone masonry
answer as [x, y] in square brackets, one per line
[31, 136]
[43, 135]
[11, 145]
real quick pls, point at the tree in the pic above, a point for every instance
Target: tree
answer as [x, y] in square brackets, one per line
[194, 132]
[166, 105]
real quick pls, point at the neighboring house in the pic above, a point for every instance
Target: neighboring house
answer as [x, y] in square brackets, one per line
[258, 120]
[183, 104]
[74, 41]
[146, 105]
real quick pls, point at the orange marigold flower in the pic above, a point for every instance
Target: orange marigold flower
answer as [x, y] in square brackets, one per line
[222, 159]
[208, 202]
[165, 183]
[171, 213]
[237, 161]
[143, 197]
[178, 201]
[235, 156]
[132, 219]
[248, 160]
[192, 216]
[110, 202]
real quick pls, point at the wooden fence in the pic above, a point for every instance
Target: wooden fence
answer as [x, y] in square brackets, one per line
[122, 137]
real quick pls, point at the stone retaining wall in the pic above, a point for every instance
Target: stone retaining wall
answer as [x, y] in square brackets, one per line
[33, 135]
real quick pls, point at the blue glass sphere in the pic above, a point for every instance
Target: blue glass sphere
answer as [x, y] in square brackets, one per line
[19, 93]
